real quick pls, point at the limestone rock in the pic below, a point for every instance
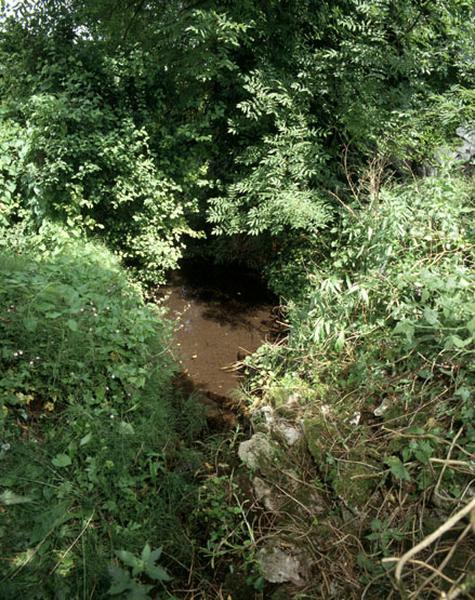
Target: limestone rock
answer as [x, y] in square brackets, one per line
[280, 565]
[266, 495]
[257, 452]
[262, 418]
[289, 433]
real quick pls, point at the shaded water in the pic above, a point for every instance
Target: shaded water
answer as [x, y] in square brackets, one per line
[221, 314]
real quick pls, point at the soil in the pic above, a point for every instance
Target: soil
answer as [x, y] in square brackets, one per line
[221, 314]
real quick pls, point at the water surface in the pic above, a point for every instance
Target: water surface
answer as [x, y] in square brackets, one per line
[221, 314]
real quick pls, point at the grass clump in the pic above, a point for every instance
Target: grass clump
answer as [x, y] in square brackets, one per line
[94, 457]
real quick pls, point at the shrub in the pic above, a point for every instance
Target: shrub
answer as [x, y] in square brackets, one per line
[82, 166]
[383, 347]
[92, 461]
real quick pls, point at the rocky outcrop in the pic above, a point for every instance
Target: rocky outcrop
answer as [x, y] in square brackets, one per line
[274, 455]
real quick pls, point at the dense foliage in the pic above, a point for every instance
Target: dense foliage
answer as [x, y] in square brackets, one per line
[292, 136]
[130, 117]
[380, 355]
[89, 428]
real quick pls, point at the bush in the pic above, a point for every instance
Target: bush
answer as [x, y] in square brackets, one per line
[380, 353]
[75, 330]
[91, 457]
[84, 167]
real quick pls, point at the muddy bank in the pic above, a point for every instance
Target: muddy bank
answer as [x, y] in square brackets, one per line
[221, 315]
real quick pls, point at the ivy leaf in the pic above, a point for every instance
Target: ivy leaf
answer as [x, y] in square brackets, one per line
[397, 468]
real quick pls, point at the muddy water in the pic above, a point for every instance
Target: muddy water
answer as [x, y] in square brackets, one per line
[221, 314]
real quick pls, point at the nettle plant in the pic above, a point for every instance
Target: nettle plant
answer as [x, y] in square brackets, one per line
[73, 327]
[126, 582]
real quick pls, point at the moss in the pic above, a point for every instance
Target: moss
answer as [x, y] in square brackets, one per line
[319, 433]
[354, 482]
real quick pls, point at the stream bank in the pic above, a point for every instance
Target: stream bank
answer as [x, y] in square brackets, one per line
[221, 315]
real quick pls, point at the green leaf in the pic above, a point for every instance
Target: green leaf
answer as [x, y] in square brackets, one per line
[30, 324]
[120, 580]
[138, 591]
[462, 343]
[146, 553]
[155, 555]
[61, 460]
[72, 324]
[340, 341]
[126, 428]
[471, 326]
[406, 328]
[157, 572]
[430, 315]
[86, 439]
[423, 451]
[397, 468]
[129, 559]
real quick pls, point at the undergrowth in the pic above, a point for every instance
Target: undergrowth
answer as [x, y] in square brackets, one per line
[95, 444]
[380, 359]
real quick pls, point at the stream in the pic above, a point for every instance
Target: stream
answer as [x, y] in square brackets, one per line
[222, 314]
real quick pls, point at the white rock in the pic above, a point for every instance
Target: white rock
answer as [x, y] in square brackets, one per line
[291, 434]
[382, 408]
[279, 566]
[256, 451]
[266, 495]
[263, 418]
